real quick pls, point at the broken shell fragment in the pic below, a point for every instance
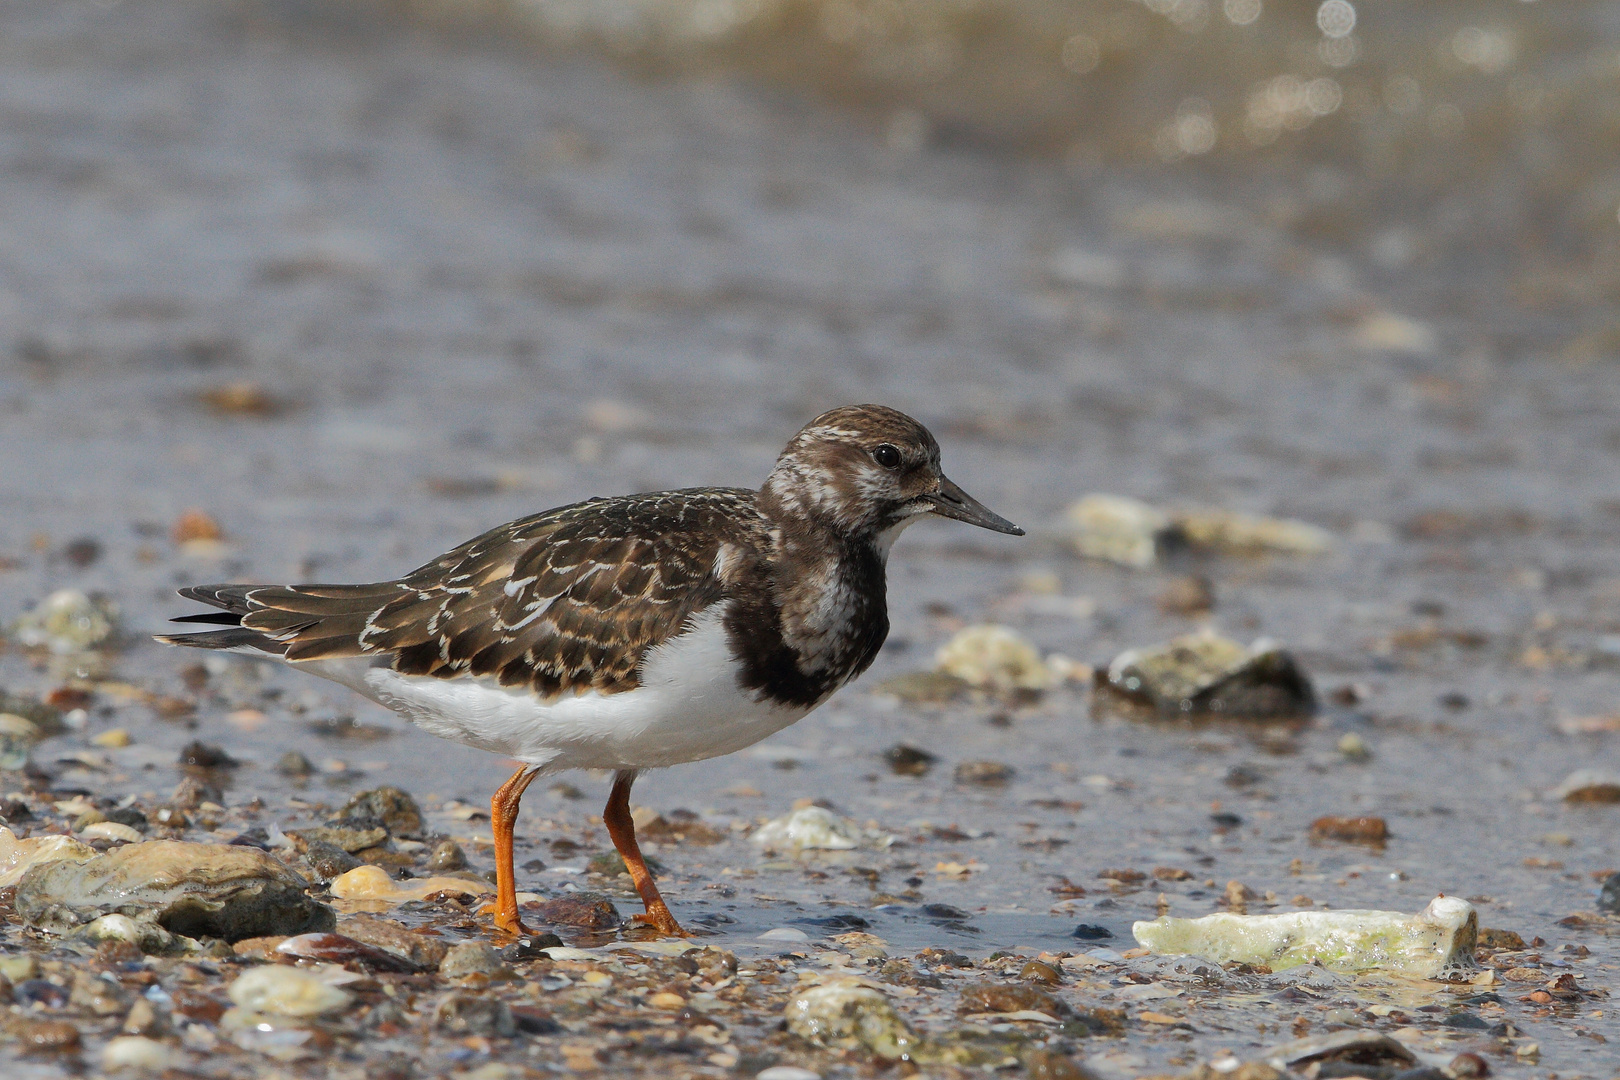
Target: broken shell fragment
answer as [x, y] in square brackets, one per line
[1369, 1048]
[373, 883]
[1590, 786]
[819, 829]
[1207, 675]
[1436, 943]
[286, 991]
[18, 856]
[994, 658]
[848, 1014]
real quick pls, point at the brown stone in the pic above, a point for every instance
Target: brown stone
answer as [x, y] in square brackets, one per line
[592, 911]
[1052, 1065]
[1004, 998]
[1351, 830]
[45, 1036]
[421, 949]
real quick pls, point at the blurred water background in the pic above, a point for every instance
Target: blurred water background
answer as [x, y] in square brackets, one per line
[1473, 139]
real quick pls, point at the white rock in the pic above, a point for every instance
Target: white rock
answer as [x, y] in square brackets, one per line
[786, 1072]
[138, 1052]
[784, 933]
[286, 991]
[994, 658]
[816, 828]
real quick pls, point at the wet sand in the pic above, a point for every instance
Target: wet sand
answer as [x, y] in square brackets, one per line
[472, 284]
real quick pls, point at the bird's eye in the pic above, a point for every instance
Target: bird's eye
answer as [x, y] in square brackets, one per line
[886, 456]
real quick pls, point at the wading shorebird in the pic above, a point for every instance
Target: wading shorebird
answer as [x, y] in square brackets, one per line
[626, 633]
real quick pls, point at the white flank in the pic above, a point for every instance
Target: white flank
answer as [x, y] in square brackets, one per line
[688, 707]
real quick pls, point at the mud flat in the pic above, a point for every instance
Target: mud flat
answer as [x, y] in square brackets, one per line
[308, 293]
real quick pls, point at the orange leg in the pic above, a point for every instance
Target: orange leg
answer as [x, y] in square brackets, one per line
[623, 831]
[503, 812]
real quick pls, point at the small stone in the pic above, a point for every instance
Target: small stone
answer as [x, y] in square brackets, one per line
[1590, 786]
[1092, 932]
[113, 739]
[16, 969]
[1121, 530]
[906, 760]
[1373, 831]
[1005, 998]
[194, 525]
[349, 840]
[1609, 896]
[424, 950]
[1054, 1065]
[368, 882]
[327, 861]
[984, 773]
[66, 622]
[1354, 748]
[1037, 971]
[192, 791]
[784, 933]
[471, 958]
[666, 1000]
[1190, 594]
[45, 1036]
[786, 1072]
[1468, 1066]
[447, 855]
[530, 947]
[1507, 940]
[287, 991]
[846, 1014]
[465, 1013]
[815, 828]
[590, 911]
[168, 817]
[388, 807]
[1206, 675]
[292, 763]
[141, 1019]
[339, 949]
[139, 1053]
[996, 659]
[924, 687]
[200, 755]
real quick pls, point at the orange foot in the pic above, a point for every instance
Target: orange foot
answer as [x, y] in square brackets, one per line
[506, 922]
[661, 920]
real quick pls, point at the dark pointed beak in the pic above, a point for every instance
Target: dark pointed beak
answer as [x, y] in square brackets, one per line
[952, 502]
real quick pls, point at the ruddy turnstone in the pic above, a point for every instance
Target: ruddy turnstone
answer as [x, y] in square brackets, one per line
[626, 633]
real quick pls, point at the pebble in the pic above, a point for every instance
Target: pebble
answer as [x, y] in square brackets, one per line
[1007, 998]
[194, 525]
[1590, 786]
[1120, 530]
[138, 1052]
[786, 1072]
[45, 1036]
[197, 890]
[1053, 1065]
[67, 622]
[447, 855]
[287, 991]
[984, 773]
[592, 911]
[784, 933]
[1373, 831]
[846, 1014]
[471, 958]
[327, 861]
[1204, 674]
[1188, 594]
[1609, 898]
[113, 739]
[292, 763]
[816, 828]
[464, 1013]
[389, 807]
[349, 840]
[905, 760]
[994, 658]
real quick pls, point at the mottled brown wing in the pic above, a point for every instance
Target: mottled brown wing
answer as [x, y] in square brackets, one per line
[567, 600]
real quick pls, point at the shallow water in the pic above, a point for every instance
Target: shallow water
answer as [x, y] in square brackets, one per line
[476, 281]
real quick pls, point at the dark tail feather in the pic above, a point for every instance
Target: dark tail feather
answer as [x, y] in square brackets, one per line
[235, 638]
[232, 598]
[220, 618]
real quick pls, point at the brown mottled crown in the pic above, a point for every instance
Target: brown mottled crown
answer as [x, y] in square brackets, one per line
[830, 474]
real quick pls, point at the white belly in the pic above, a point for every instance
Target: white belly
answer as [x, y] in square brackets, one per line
[688, 707]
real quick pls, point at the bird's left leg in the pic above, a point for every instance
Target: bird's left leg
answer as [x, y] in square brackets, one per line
[503, 812]
[623, 831]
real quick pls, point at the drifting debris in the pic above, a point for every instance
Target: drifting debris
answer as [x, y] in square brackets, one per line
[67, 622]
[846, 1014]
[996, 659]
[1436, 943]
[1590, 786]
[1204, 674]
[193, 890]
[813, 828]
[17, 857]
